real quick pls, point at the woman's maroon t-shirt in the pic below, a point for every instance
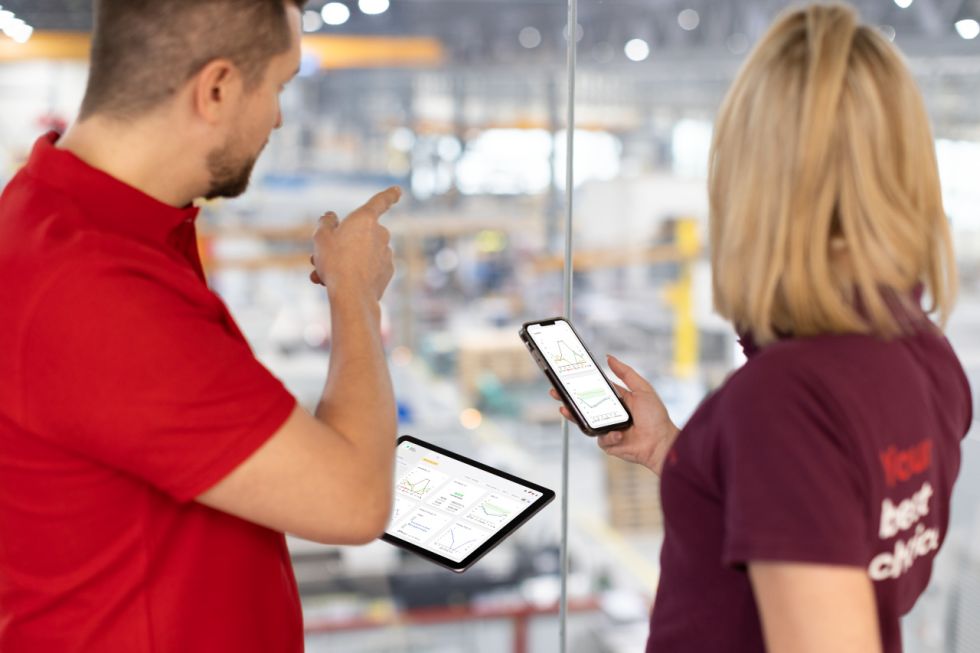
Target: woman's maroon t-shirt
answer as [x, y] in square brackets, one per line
[837, 449]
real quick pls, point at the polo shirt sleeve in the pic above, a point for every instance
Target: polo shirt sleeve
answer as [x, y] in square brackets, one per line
[791, 482]
[132, 371]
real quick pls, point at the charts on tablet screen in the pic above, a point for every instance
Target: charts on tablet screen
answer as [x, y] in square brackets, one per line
[421, 524]
[420, 481]
[494, 511]
[459, 540]
[448, 507]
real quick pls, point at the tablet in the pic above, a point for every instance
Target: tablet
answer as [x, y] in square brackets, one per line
[453, 510]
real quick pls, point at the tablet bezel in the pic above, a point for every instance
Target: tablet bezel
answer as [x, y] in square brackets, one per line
[547, 496]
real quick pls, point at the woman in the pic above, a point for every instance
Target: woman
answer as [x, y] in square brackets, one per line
[805, 500]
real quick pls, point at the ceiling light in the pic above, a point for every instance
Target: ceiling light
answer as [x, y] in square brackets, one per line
[312, 21]
[967, 19]
[904, 4]
[335, 13]
[688, 20]
[529, 38]
[968, 28]
[13, 26]
[373, 7]
[637, 50]
[16, 28]
[23, 34]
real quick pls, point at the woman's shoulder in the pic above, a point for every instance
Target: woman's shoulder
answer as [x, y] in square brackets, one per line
[832, 353]
[825, 373]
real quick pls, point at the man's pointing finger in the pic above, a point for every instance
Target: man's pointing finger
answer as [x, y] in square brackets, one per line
[380, 203]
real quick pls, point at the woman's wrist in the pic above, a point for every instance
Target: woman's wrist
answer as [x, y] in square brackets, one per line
[655, 463]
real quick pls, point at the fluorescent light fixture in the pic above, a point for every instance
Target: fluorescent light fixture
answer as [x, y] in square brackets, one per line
[967, 20]
[373, 7]
[335, 13]
[13, 27]
[637, 50]
[16, 28]
[968, 28]
[23, 34]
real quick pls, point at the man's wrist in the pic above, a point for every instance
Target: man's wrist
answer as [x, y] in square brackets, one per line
[352, 295]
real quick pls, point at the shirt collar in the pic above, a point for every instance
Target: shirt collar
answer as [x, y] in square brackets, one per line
[910, 317]
[106, 201]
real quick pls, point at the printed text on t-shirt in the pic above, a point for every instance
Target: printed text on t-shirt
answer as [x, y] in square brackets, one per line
[901, 465]
[899, 518]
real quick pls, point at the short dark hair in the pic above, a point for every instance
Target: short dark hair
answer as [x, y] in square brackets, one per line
[144, 51]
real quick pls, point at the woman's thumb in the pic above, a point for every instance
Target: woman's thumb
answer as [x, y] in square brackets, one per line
[629, 376]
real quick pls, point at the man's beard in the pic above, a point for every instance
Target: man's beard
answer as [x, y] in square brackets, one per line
[229, 174]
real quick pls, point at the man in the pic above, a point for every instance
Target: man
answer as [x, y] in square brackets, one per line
[149, 465]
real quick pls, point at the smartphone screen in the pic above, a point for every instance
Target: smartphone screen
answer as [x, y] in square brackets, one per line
[577, 372]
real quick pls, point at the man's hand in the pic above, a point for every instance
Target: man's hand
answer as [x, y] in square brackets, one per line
[354, 255]
[328, 477]
[652, 434]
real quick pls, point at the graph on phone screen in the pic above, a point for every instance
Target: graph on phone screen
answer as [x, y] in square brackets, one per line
[569, 358]
[594, 397]
[449, 507]
[578, 374]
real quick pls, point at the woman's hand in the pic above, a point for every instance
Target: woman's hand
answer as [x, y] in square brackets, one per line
[652, 434]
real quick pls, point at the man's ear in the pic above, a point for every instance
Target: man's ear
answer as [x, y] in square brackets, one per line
[217, 89]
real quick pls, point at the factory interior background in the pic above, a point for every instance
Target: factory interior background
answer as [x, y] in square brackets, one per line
[463, 104]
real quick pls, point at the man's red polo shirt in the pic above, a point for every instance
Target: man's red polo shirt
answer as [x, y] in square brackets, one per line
[126, 390]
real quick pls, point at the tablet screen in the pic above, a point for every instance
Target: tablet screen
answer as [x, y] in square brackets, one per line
[450, 506]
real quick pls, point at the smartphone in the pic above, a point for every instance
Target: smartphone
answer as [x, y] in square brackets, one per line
[572, 370]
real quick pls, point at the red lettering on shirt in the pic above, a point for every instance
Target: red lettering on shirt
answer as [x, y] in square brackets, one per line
[901, 465]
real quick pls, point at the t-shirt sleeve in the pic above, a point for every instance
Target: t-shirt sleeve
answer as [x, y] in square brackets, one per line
[147, 378]
[791, 483]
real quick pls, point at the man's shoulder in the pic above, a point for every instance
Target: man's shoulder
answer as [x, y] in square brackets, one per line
[42, 229]
[34, 216]
[91, 277]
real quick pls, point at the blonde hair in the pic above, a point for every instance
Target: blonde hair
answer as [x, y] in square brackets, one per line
[825, 203]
